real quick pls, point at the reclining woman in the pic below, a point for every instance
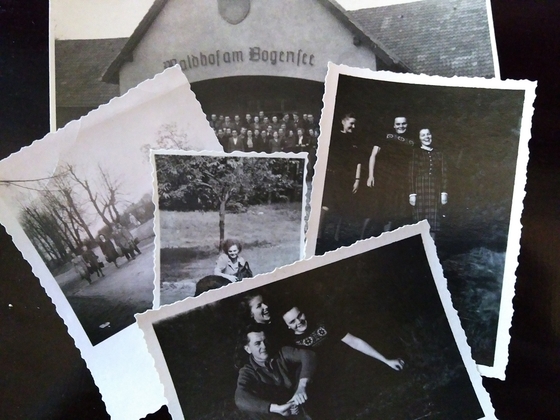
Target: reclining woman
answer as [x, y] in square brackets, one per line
[319, 335]
[303, 334]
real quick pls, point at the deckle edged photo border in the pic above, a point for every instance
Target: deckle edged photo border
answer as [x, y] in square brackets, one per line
[67, 211]
[208, 202]
[398, 148]
[388, 291]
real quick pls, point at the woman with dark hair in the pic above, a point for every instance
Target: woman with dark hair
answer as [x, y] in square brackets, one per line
[255, 309]
[428, 182]
[92, 261]
[318, 336]
[230, 264]
[108, 249]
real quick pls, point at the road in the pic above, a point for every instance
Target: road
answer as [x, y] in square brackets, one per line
[108, 305]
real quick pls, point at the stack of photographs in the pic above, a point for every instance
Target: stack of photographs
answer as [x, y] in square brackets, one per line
[281, 236]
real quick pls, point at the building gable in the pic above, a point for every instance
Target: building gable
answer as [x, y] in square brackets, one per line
[293, 38]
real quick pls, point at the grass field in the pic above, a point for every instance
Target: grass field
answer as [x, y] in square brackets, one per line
[270, 235]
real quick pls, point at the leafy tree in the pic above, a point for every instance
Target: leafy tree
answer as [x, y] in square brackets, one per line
[222, 183]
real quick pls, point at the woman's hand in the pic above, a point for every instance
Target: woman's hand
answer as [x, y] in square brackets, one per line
[284, 410]
[396, 364]
[412, 199]
[300, 396]
[230, 277]
[370, 181]
[355, 186]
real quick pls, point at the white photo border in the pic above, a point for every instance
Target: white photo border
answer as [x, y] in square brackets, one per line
[120, 365]
[497, 369]
[148, 318]
[207, 153]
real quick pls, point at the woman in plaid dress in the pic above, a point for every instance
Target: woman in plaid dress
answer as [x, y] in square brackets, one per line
[428, 182]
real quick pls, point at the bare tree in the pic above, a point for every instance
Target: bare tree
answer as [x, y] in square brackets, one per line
[66, 219]
[72, 206]
[169, 136]
[109, 197]
[43, 227]
[93, 196]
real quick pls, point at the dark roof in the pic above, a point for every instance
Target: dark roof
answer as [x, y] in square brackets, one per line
[389, 58]
[435, 37]
[79, 67]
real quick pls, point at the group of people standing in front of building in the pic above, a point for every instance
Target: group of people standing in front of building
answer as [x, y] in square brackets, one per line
[261, 133]
[376, 185]
[285, 360]
[121, 243]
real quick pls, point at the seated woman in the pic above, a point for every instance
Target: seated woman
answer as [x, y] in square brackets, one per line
[230, 265]
[336, 367]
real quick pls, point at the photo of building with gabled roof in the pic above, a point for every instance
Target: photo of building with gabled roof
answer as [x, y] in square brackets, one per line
[249, 55]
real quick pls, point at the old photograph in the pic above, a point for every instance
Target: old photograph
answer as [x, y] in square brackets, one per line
[258, 61]
[402, 148]
[363, 332]
[78, 205]
[224, 217]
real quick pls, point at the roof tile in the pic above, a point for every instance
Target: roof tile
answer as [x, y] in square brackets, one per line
[79, 67]
[435, 37]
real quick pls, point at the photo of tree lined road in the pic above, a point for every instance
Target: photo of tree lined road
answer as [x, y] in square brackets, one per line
[205, 202]
[97, 244]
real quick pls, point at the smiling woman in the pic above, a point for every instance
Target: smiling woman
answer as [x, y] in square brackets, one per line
[229, 263]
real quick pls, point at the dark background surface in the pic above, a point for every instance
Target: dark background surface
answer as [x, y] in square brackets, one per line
[41, 373]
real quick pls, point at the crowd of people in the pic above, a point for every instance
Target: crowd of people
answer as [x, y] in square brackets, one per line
[285, 132]
[377, 185]
[284, 362]
[120, 243]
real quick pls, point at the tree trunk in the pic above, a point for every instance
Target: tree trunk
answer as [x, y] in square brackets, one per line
[222, 223]
[76, 214]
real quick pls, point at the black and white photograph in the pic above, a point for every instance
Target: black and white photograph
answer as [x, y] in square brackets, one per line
[258, 61]
[78, 205]
[363, 332]
[223, 217]
[398, 150]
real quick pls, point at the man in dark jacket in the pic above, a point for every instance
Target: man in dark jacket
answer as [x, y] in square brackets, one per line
[274, 385]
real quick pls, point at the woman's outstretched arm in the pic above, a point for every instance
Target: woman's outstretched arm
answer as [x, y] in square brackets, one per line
[371, 166]
[363, 347]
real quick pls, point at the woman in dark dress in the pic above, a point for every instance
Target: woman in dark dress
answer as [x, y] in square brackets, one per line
[92, 261]
[345, 196]
[318, 336]
[428, 182]
[335, 369]
[108, 250]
